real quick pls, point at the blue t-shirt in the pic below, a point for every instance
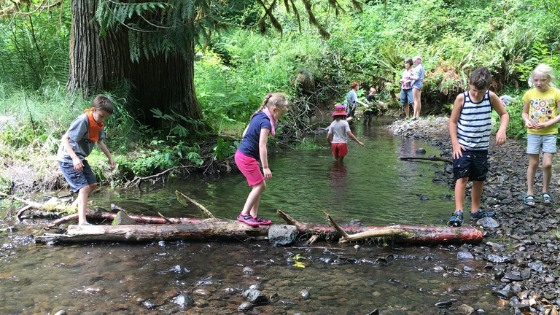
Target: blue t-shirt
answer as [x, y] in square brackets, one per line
[250, 143]
[350, 102]
[78, 136]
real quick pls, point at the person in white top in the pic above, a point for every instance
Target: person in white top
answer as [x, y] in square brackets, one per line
[339, 132]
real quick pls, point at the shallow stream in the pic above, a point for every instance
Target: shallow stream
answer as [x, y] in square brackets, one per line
[373, 186]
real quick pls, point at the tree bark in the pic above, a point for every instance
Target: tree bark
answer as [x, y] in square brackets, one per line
[103, 63]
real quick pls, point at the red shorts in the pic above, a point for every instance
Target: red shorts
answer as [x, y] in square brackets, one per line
[339, 149]
[249, 167]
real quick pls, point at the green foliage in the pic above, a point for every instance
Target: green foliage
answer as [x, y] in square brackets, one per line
[307, 144]
[224, 149]
[516, 126]
[175, 128]
[5, 185]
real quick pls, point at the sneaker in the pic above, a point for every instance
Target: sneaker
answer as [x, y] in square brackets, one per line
[479, 214]
[456, 219]
[262, 221]
[247, 219]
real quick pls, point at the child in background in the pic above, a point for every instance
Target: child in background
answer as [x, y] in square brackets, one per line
[76, 144]
[406, 87]
[469, 127]
[253, 149]
[350, 104]
[339, 131]
[540, 114]
[368, 111]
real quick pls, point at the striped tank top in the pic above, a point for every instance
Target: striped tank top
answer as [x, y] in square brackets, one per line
[475, 123]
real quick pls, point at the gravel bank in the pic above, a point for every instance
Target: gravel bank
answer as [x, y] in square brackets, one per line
[521, 245]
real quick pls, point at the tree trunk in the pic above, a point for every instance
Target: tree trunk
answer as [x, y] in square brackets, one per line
[103, 63]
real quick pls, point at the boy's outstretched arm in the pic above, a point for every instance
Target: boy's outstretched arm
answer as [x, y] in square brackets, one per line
[453, 121]
[504, 118]
[103, 148]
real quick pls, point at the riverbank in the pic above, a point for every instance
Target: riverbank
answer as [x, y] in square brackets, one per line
[521, 246]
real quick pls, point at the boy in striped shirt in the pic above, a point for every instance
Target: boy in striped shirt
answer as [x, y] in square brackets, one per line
[470, 125]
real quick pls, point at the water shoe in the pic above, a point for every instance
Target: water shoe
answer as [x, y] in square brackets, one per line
[529, 201]
[247, 219]
[547, 199]
[456, 219]
[262, 221]
[479, 214]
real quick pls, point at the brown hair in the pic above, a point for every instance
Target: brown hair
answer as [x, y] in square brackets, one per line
[409, 61]
[354, 84]
[481, 78]
[102, 103]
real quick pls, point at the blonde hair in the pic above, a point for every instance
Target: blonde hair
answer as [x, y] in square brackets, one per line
[278, 99]
[544, 69]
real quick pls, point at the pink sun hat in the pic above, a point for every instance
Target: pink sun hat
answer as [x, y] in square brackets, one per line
[339, 110]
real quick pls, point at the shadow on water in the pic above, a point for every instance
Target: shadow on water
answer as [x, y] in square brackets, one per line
[208, 278]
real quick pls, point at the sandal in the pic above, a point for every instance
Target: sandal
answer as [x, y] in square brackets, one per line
[547, 199]
[456, 219]
[528, 200]
[479, 214]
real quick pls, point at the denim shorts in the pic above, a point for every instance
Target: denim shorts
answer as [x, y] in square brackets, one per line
[536, 142]
[77, 180]
[473, 164]
[406, 97]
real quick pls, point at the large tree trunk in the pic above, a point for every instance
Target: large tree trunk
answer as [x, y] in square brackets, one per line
[102, 63]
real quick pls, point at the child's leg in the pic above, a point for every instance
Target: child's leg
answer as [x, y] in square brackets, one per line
[547, 170]
[531, 170]
[83, 195]
[253, 200]
[460, 187]
[476, 194]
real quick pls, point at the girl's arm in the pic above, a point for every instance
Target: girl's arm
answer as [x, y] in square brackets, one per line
[525, 116]
[504, 118]
[103, 148]
[351, 135]
[264, 153]
[329, 135]
[453, 121]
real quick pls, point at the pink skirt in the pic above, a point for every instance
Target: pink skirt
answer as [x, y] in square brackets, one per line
[249, 167]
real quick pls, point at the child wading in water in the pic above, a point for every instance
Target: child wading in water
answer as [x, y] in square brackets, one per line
[469, 127]
[253, 149]
[339, 131]
[77, 143]
[540, 114]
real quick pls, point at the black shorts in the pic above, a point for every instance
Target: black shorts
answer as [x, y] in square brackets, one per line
[473, 164]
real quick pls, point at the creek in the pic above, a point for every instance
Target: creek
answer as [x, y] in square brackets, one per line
[189, 277]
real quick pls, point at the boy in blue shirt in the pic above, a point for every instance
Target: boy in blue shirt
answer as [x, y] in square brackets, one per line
[76, 144]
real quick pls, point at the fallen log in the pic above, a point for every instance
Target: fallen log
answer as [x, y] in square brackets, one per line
[211, 229]
[411, 234]
[433, 158]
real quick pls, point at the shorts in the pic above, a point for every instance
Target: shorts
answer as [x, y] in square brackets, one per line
[77, 180]
[406, 97]
[250, 168]
[535, 142]
[368, 114]
[473, 164]
[339, 149]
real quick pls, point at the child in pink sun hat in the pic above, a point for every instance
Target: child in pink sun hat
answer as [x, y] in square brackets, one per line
[339, 132]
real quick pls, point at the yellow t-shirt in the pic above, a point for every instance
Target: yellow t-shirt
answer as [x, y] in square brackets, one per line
[542, 108]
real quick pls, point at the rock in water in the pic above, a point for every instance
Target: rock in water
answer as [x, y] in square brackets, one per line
[280, 234]
[123, 219]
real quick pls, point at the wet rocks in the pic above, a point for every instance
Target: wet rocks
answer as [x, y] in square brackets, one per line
[281, 234]
[522, 255]
[255, 297]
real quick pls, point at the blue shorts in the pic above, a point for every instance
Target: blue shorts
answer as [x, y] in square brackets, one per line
[406, 97]
[536, 142]
[473, 164]
[77, 180]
